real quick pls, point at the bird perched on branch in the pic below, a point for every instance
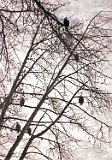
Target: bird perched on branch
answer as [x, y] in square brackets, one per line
[66, 23]
[22, 101]
[18, 127]
[81, 100]
[76, 57]
[28, 130]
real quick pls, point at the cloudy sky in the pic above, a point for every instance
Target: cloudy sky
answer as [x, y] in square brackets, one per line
[88, 8]
[85, 10]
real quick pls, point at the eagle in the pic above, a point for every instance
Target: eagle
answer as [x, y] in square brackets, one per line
[66, 23]
[81, 100]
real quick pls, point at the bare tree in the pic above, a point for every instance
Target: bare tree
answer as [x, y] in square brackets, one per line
[53, 81]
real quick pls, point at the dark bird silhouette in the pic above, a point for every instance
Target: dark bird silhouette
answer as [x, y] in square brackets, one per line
[18, 127]
[81, 100]
[76, 57]
[22, 101]
[66, 23]
[28, 130]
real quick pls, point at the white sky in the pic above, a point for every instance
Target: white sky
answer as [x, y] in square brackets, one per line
[86, 10]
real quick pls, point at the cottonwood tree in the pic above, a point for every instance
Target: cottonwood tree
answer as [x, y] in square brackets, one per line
[45, 69]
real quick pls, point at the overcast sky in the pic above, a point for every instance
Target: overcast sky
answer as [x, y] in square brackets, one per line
[87, 9]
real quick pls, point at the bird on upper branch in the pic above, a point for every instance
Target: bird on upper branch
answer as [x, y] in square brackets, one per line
[66, 23]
